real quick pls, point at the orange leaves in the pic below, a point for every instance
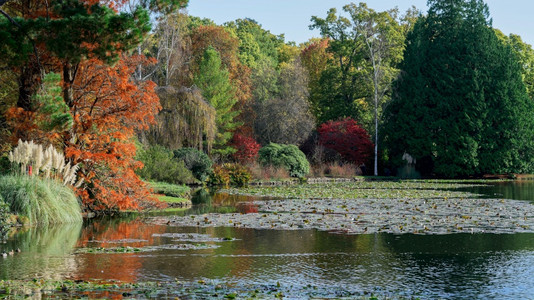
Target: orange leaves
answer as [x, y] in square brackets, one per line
[108, 108]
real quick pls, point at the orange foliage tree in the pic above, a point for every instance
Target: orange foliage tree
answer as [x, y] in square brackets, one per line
[108, 108]
[87, 42]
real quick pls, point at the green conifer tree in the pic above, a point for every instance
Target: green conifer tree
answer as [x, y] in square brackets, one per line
[213, 80]
[460, 106]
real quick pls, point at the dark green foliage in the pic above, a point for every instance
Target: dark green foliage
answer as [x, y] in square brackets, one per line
[196, 161]
[75, 25]
[160, 165]
[287, 156]
[460, 107]
[5, 165]
[56, 114]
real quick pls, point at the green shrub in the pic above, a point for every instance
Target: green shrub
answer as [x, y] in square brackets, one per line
[5, 165]
[196, 161]
[288, 156]
[160, 165]
[42, 201]
[168, 189]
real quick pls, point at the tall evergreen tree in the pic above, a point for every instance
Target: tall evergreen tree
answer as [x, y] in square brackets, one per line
[213, 80]
[460, 106]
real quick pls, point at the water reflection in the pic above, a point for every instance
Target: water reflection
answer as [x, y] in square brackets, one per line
[444, 266]
[516, 190]
[45, 252]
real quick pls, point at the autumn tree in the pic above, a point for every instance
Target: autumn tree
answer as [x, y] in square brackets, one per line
[80, 40]
[348, 139]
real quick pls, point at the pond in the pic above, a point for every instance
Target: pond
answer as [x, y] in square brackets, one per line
[142, 248]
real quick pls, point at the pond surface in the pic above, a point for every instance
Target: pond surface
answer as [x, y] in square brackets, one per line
[451, 266]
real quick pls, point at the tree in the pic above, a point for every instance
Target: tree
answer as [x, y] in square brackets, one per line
[80, 40]
[383, 44]
[460, 107]
[348, 139]
[282, 109]
[342, 85]
[213, 79]
[315, 58]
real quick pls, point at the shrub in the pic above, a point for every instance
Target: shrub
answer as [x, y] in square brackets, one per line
[268, 172]
[228, 173]
[239, 175]
[219, 176]
[42, 201]
[160, 165]
[288, 156]
[347, 138]
[196, 161]
[247, 148]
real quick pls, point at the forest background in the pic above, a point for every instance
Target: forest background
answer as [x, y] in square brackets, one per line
[140, 91]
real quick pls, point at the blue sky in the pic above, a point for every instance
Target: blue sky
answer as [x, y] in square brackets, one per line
[292, 17]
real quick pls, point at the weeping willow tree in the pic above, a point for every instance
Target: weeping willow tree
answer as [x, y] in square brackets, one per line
[186, 120]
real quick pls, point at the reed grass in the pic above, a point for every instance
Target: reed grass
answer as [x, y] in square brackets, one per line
[42, 201]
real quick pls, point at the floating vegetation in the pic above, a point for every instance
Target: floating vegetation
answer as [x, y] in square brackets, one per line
[361, 189]
[201, 289]
[192, 237]
[416, 207]
[121, 241]
[99, 250]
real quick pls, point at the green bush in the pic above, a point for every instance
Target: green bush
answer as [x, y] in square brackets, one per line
[287, 156]
[42, 201]
[160, 165]
[196, 161]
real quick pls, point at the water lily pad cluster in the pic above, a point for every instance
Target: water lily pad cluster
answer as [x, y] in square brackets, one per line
[360, 189]
[192, 237]
[202, 289]
[403, 207]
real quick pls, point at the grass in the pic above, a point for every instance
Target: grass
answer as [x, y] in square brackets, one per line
[169, 199]
[169, 189]
[42, 201]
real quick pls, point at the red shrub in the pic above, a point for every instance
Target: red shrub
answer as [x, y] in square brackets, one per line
[247, 148]
[347, 138]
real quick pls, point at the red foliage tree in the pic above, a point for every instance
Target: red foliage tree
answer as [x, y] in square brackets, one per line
[347, 138]
[247, 148]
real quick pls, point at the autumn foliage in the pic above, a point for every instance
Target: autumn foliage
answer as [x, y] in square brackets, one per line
[247, 148]
[107, 110]
[347, 138]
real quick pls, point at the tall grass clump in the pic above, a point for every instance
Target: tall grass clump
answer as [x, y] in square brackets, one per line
[43, 201]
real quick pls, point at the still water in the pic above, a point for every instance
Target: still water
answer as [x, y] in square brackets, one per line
[446, 266]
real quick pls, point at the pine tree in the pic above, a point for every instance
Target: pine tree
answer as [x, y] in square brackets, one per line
[460, 107]
[213, 80]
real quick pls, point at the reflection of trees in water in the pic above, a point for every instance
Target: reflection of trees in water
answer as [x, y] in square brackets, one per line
[45, 252]
[457, 264]
[112, 233]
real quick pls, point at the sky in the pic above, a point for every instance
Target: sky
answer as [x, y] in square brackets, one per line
[292, 17]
